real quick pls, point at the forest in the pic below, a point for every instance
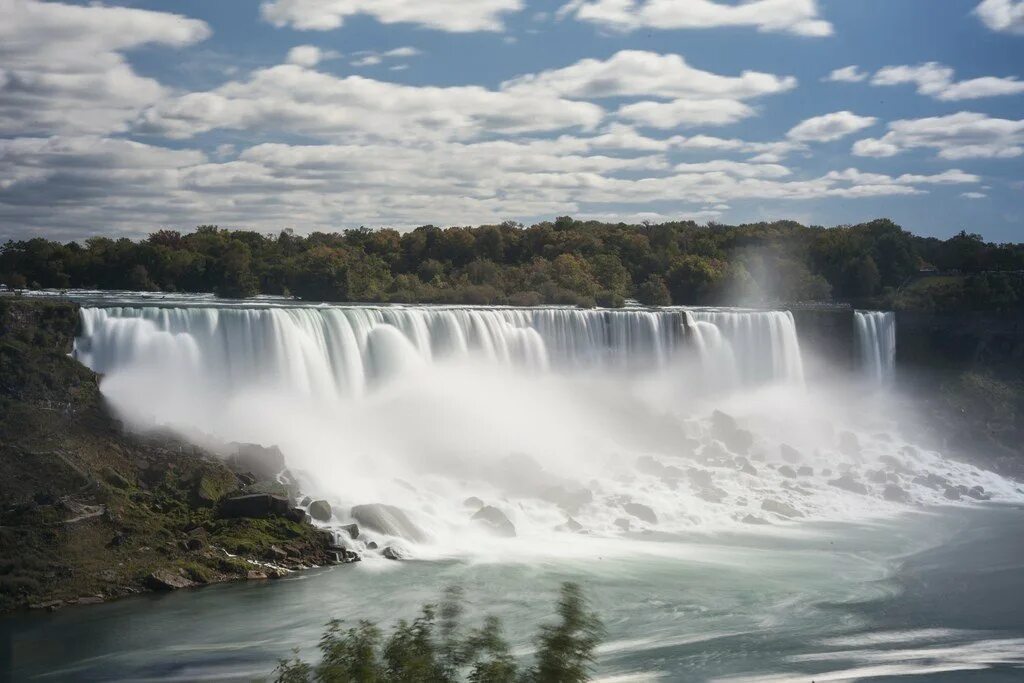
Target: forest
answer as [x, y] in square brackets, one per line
[565, 261]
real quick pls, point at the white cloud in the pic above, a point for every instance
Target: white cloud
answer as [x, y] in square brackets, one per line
[800, 17]
[1002, 15]
[957, 136]
[61, 68]
[680, 113]
[306, 102]
[637, 73]
[371, 58]
[829, 127]
[973, 195]
[307, 55]
[446, 15]
[937, 80]
[847, 74]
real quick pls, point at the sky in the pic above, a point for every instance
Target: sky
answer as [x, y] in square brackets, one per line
[124, 117]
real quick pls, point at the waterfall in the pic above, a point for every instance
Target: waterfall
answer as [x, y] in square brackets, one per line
[876, 343]
[336, 351]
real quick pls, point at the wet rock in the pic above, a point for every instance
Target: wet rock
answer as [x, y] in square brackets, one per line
[826, 472]
[649, 465]
[388, 520]
[395, 552]
[787, 471]
[351, 529]
[725, 429]
[978, 493]
[641, 512]
[743, 465]
[780, 508]
[805, 471]
[495, 521]
[371, 545]
[277, 554]
[306, 501]
[569, 500]
[699, 477]
[931, 480]
[754, 519]
[895, 494]
[254, 505]
[622, 523]
[90, 600]
[165, 580]
[297, 515]
[849, 444]
[256, 575]
[893, 463]
[712, 494]
[570, 525]
[320, 510]
[264, 462]
[790, 454]
[848, 483]
[876, 476]
[951, 493]
[473, 503]
[195, 543]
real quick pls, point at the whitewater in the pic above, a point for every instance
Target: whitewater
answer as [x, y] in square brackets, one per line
[578, 425]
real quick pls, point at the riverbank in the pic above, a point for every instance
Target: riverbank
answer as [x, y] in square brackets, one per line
[90, 513]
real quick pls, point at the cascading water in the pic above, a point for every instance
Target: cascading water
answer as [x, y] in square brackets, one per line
[876, 343]
[546, 413]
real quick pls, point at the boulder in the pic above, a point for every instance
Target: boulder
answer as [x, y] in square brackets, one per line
[165, 580]
[753, 519]
[805, 471]
[725, 429]
[848, 483]
[931, 480]
[297, 515]
[495, 521]
[264, 462]
[790, 454]
[743, 465]
[473, 503]
[622, 523]
[388, 520]
[254, 505]
[978, 493]
[569, 500]
[320, 510]
[895, 494]
[351, 529]
[256, 575]
[849, 444]
[787, 471]
[641, 512]
[276, 554]
[876, 476]
[306, 501]
[951, 493]
[780, 508]
[572, 525]
[395, 552]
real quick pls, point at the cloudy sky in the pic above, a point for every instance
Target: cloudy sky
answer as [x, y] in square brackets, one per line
[123, 117]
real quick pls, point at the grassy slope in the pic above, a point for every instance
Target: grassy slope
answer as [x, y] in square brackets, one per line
[138, 501]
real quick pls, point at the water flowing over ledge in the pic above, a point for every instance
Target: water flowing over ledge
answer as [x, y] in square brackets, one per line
[876, 343]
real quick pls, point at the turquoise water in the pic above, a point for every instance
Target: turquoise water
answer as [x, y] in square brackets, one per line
[937, 594]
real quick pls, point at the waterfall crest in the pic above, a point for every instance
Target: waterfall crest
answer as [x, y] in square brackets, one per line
[876, 343]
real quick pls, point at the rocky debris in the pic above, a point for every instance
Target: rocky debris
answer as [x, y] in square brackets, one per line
[754, 519]
[951, 493]
[893, 463]
[256, 575]
[495, 521]
[571, 525]
[264, 462]
[320, 510]
[780, 508]
[931, 480]
[622, 523]
[254, 505]
[787, 471]
[743, 465]
[805, 471]
[388, 520]
[978, 493]
[725, 429]
[649, 465]
[342, 555]
[895, 494]
[848, 483]
[276, 554]
[570, 501]
[849, 444]
[395, 552]
[166, 580]
[297, 515]
[876, 476]
[641, 512]
[790, 454]
[473, 503]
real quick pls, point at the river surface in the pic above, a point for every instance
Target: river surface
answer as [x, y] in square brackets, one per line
[930, 595]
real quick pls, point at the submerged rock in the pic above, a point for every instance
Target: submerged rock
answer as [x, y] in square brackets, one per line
[495, 521]
[320, 510]
[754, 519]
[780, 508]
[388, 520]
[641, 512]
[848, 483]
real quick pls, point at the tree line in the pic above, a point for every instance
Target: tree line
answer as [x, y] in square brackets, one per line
[564, 261]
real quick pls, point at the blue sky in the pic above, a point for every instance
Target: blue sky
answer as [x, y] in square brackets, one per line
[124, 117]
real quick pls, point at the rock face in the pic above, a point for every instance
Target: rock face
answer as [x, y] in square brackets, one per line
[264, 462]
[388, 520]
[320, 510]
[164, 580]
[495, 521]
[641, 512]
[254, 505]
